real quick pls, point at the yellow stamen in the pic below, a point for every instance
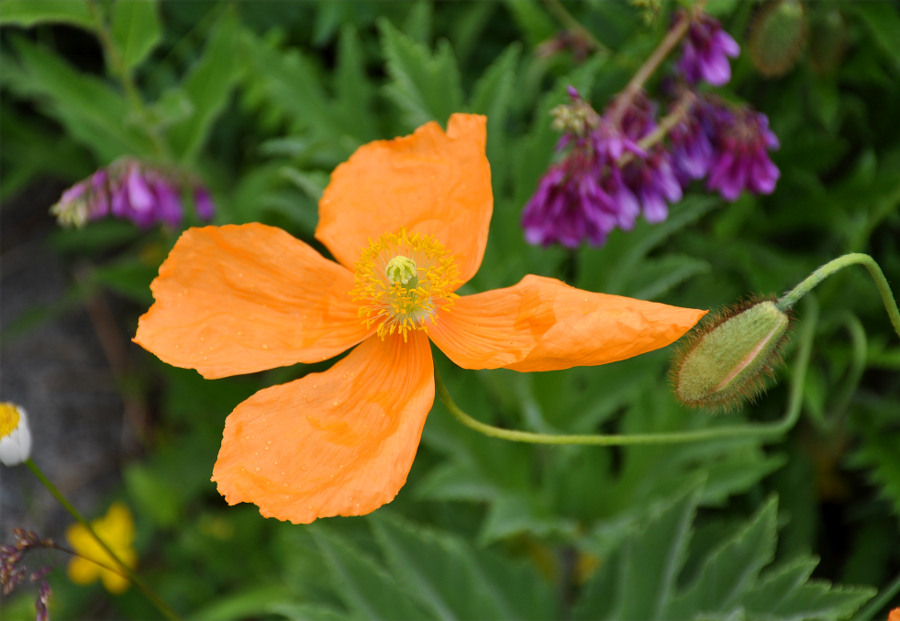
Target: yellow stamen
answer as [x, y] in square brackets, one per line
[9, 419]
[402, 280]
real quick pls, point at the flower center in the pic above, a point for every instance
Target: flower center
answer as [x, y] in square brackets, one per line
[9, 419]
[401, 280]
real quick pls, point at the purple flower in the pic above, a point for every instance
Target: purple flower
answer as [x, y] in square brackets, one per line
[583, 197]
[690, 143]
[203, 203]
[653, 181]
[706, 51]
[132, 190]
[741, 160]
[569, 206]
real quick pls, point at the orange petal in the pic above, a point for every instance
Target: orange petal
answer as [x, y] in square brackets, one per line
[334, 443]
[542, 324]
[429, 182]
[238, 299]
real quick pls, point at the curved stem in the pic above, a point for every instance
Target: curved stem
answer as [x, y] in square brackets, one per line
[792, 413]
[117, 66]
[637, 81]
[854, 258]
[124, 569]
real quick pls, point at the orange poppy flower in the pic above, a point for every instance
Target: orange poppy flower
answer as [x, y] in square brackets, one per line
[407, 222]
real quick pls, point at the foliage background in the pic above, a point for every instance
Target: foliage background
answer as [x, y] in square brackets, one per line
[262, 100]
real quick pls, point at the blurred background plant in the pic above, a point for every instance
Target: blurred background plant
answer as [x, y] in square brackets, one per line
[253, 104]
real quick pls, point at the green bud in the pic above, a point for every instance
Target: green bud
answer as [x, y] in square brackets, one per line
[777, 37]
[731, 357]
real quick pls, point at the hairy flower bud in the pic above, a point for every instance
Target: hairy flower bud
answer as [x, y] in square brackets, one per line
[731, 357]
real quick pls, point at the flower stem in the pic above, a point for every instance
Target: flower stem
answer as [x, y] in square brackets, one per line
[854, 258]
[650, 65]
[776, 428]
[663, 127]
[565, 18]
[117, 67]
[123, 568]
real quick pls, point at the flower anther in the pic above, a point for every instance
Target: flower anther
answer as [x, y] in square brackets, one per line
[402, 280]
[15, 434]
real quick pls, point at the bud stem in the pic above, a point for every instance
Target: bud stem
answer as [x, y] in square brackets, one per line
[125, 569]
[732, 431]
[881, 283]
[634, 86]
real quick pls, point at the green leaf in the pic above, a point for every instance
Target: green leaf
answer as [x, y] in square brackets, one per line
[254, 602]
[31, 12]
[532, 20]
[135, 30]
[424, 86]
[450, 580]
[883, 21]
[649, 587]
[492, 96]
[293, 83]
[207, 87]
[731, 569]
[733, 582]
[92, 112]
[352, 89]
[129, 277]
[653, 278]
[639, 581]
[364, 587]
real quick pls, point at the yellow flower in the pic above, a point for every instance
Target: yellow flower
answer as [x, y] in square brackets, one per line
[15, 435]
[116, 529]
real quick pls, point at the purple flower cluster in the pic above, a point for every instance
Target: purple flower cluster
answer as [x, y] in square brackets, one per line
[583, 196]
[132, 190]
[625, 163]
[706, 52]
[728, 145]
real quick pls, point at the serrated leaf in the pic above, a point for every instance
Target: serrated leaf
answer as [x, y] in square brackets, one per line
[639, 580]
[731, 584]
[353, 91]
[135, 30]
[92, 112]
[207, 87]
[731, 569]
[364, 587]
[424, 86]
[28, 13]
[879, 452]
[492, 96]
[650, 564]
[449, 579]
[293, 83]
[532, 20]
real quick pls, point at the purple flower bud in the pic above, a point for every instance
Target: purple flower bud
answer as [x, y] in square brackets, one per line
[706, 51]
[168, 204]
[691, 147]
[653, 181]
[203, 203]
[140, 199]
[742, 161]
[132, 190]
[42, 602]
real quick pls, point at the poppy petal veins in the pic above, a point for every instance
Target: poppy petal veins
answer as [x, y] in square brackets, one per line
[335, 443]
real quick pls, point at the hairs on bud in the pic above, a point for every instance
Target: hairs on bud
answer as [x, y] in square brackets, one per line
[731, 356]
